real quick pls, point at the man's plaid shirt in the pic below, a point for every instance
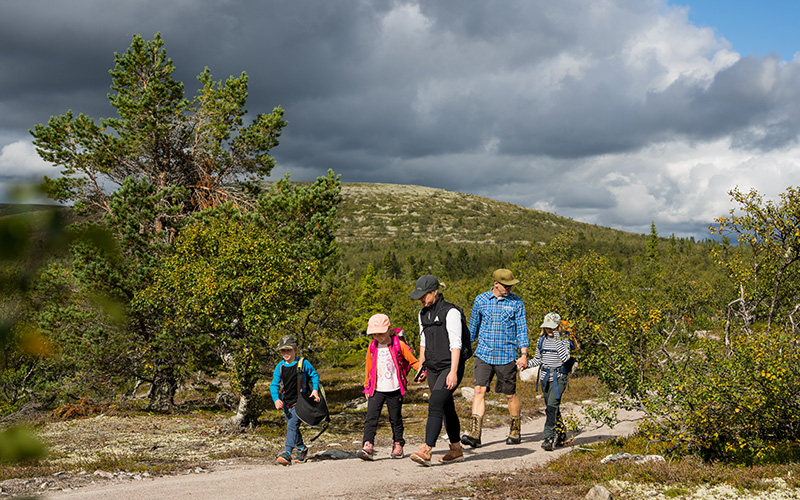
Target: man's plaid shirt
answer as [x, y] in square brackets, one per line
[500, 327]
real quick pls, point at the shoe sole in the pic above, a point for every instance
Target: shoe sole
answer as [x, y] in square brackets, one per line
[455, 460]
[467, 441]
[363, 456]
[421, 461]
[513, 441]
[398, 456]
[282, 461]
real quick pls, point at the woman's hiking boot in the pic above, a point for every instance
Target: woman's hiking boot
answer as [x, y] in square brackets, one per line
[547, 444]
[397, 450]
[367, 452]
[423, 456]
[514, 436]
[456, 454]
[284, 458]
[473, 438]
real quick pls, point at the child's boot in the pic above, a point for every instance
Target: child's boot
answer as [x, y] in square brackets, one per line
[456, 454]
[284, 458]
[423, 456]
[302, 455]
[367, 452]
[397, 450]
[514, 436]
[473, 439]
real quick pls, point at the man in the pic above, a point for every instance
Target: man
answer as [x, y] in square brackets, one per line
[498, 323]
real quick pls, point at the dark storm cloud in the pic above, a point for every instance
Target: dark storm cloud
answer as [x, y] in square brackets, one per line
[577, 107]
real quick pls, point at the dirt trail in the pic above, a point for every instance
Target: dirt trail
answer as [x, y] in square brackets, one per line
[351, 478]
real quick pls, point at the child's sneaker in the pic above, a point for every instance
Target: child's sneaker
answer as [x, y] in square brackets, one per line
[367, 452]
[397, 450]
[302, 455]
[284, 458]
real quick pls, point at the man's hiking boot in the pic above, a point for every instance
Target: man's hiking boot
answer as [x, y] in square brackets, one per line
[547, 444]
[456, 454]
[473, 438]
[397, 450]
[367, 452]
[423, 456]
[561, 438]
[302, 455]
[284, 458]
[514, 436]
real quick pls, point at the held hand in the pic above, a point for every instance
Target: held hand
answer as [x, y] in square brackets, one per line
[522, 362]
[315, 395]
[278, 404]
[451, 381]
[421, 376]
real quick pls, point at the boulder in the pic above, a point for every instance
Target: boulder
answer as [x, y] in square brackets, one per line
[598, 492]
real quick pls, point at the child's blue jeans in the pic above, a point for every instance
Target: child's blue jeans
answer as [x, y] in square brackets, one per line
[293, 436]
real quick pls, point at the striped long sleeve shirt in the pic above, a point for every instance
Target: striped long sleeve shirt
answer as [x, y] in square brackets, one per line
[553, 353]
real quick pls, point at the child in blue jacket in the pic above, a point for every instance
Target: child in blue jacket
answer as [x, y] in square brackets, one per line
[284, 393]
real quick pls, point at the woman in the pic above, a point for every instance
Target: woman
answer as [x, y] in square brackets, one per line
[440, 356]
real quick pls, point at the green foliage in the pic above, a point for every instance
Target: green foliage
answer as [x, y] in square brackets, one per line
[18, 445]
[764, 267]
[161, 159]
[233, 279]
[738, 403]
[159, 136]
[733, 396]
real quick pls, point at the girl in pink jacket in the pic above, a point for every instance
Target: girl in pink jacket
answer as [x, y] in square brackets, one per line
[389, 360]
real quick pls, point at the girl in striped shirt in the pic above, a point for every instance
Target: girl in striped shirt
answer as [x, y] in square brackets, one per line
[552, 351]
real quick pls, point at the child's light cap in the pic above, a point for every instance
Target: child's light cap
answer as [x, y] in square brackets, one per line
[378, 323]
[551, 320]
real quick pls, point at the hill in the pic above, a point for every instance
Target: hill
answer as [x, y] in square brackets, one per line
[395, 222]
[413, 229]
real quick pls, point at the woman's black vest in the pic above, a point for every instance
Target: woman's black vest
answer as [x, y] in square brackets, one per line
[434, 327]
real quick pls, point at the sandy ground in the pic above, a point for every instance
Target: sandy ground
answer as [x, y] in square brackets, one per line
[384, 478]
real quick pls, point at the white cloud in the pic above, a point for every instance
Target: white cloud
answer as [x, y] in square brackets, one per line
[20, 160]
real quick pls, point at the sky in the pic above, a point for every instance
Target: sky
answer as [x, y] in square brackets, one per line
[620, 113]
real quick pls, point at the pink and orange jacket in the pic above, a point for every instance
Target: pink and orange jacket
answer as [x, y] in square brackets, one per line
[402, 357]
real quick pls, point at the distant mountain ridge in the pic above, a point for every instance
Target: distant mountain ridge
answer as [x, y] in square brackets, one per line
[370, 211]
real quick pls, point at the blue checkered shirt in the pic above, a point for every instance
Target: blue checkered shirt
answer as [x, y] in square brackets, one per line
[500, 327]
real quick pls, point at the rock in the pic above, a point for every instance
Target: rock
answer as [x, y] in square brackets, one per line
[529, 375]
[598, 492]
[639, 459]
[468, 393]
[359, 403]
[332, 455]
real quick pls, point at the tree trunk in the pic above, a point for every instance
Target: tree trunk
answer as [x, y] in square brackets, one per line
[245, 414]
[246, 411]
[162, 392]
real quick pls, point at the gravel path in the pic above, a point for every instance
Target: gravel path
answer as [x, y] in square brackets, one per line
[350, 478]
